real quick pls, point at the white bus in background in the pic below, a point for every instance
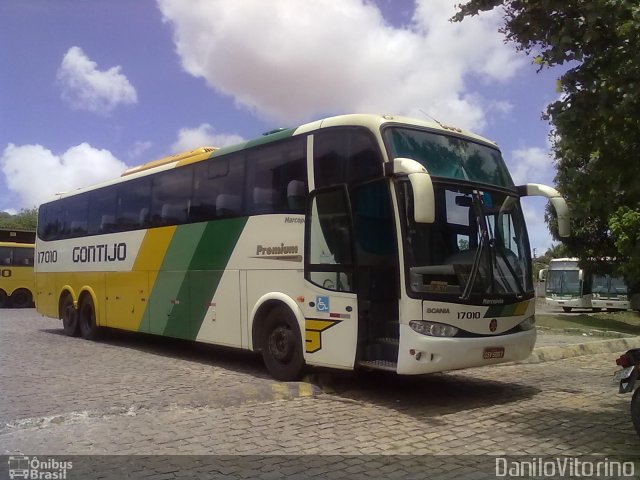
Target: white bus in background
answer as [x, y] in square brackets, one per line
[368, 241]
[610, 292]
[567, 286]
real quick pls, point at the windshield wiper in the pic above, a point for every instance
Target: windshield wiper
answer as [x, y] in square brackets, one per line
[484, 233]
[509, 266]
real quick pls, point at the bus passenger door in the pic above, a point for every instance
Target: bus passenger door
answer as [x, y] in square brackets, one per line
[331, 306]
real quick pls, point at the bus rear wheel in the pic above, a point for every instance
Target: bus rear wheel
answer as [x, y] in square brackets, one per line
[282, 345]
[4, 299]
[69, 317]
[566, 309]
[87, 319]
[21, 298]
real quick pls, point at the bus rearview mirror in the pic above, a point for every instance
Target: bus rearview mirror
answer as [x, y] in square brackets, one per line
[557, 201]
[424, 209]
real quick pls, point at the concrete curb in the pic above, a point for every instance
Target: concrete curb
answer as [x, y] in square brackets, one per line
[560, 352]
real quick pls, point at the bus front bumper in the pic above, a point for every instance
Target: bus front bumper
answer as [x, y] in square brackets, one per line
[419, 354]
[611, 304]
[567, 303]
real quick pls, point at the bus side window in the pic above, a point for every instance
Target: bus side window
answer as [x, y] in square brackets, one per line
[171, 194]
[275, 173]
[23, 256]
[75, 211]
[102, 211]
[5, 256]
[133, 197]
[218, 185]
[345, 155]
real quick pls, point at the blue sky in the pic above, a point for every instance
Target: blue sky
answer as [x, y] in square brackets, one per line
[88, 87]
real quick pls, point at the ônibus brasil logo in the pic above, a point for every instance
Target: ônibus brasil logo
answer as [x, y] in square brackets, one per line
[33, 468]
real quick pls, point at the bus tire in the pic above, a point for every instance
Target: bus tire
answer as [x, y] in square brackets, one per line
[566, 309]
[282, 345]
[4, 299]
[21, 298]
[69, 316]
[89, 329]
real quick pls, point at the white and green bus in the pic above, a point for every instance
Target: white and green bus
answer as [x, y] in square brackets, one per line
[355, 241]
[610, 292]
[569, 286]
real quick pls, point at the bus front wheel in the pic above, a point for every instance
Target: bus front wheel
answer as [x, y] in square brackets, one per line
[21, 298]
[69, 317]
[282, 345]
[566, 309]
[87, 319]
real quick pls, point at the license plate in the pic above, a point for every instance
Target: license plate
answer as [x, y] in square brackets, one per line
[622, 374]
[493, 352]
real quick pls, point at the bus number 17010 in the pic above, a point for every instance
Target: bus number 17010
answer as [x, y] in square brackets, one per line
[48, 256]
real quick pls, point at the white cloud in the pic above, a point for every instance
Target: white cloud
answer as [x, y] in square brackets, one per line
[139, 148]
[289, 60]
[35, 173]
[531, 165]
[85, 87]
[204, 135]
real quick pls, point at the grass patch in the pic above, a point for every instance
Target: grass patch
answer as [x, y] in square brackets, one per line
[623, 322]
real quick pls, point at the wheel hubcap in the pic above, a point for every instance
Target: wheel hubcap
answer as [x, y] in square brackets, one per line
[281, 344]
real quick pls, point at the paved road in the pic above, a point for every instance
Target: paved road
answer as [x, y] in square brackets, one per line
[135, 394]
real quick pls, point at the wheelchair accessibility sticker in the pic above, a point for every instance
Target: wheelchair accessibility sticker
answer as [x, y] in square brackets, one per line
[322, 303]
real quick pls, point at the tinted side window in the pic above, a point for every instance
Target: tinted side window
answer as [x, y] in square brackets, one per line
[345, 155]
[74, 210]
[102, 210]
[43, 231]
[218, 187]
[5, 255]
[277, 179]
[171, 194]
[23, 257]
[133, 204]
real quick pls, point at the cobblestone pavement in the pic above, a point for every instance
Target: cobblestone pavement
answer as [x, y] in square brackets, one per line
[135, 394]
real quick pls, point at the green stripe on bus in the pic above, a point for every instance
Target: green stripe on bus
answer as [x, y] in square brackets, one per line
[507, 310]
[190, 274]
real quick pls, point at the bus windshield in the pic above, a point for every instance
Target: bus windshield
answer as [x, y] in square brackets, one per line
[477, 245]
[449, 156]
[566, 282]
[605, 284]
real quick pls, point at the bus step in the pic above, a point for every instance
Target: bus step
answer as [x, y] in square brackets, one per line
[387, 365]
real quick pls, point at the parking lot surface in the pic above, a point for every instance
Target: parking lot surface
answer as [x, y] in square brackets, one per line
[132, 394]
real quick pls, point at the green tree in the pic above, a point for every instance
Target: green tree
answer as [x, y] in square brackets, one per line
[596, 121]
[26, 219]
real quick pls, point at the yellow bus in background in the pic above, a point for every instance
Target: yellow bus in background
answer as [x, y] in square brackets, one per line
[17, 279]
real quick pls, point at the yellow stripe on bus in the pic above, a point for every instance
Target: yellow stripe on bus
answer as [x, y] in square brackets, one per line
[152, 251]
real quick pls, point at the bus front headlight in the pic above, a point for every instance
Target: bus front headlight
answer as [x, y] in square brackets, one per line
[433, 329]
[528, 323]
